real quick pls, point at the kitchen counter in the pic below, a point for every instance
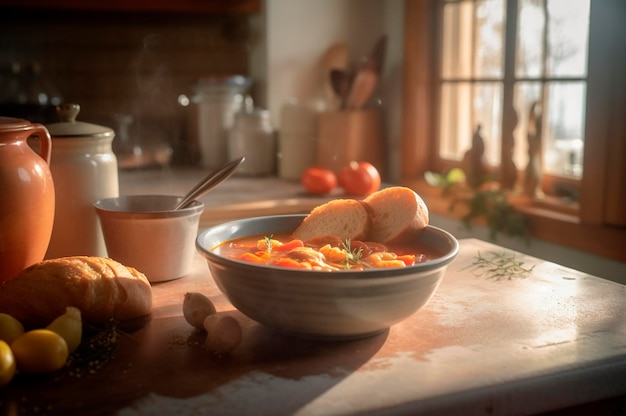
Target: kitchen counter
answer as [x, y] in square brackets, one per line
[547, 338]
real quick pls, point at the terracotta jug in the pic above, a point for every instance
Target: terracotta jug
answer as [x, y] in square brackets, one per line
[26, 196]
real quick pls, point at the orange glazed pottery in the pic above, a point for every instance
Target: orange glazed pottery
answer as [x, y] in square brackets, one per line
[26, 195]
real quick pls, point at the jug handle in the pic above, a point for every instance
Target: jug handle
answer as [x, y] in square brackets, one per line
[45, 141]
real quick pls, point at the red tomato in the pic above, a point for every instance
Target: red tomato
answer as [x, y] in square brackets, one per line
[359, 178]
[318, 181]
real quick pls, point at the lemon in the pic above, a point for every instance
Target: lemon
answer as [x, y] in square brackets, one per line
[39, 351]
[7, 364]
[10, 328]
[70, 327]
[455, 175]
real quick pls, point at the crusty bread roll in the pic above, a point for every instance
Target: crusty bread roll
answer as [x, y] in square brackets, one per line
[344, 218]
[101, 288]
[398, 215]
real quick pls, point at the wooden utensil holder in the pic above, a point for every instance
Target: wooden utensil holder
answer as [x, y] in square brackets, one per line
[344, 136]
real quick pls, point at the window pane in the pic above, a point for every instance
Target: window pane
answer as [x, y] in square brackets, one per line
[474, 34]
[563, 40]
[490, 28]
[563, 132]
[531, 23]
[567, 37]
[457, 31]
[458, 124]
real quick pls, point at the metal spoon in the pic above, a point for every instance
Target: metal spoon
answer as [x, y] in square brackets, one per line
[213, 179]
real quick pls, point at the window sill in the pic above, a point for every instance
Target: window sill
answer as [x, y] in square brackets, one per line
[561, 226]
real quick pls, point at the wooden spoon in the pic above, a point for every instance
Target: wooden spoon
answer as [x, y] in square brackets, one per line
[335, 58]
[362, 89]
[367, 76]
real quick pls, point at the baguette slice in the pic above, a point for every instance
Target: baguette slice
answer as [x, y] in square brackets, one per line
[343, 218]
[101, 288]
[398, 215]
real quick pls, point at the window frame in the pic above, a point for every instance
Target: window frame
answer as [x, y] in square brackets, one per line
[586, 227]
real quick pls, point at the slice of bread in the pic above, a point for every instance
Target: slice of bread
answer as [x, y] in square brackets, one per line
[344, 218]
[398, 215]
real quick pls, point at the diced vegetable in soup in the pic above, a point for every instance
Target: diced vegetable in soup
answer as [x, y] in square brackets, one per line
[327, 253]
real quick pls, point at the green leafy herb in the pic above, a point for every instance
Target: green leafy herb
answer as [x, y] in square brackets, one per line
[489, 203]
[499, 215]
[352, 256]
[499, 266]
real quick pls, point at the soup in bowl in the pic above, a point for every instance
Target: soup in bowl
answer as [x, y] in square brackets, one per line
[349, 303]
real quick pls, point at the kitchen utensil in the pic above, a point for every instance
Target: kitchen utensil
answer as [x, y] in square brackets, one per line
[213, 179]
[330, 305]
[84, 169]
[26, 196]
[363, 87]
[146, 233]
[367, 76]
[341, 81]
[336, 57]
[376, 58]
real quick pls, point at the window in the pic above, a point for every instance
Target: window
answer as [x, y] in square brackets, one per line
[493, 63]
[540, 82]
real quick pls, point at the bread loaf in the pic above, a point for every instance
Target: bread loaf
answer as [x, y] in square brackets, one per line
[101, 288]
[343, 218]
[398, 215]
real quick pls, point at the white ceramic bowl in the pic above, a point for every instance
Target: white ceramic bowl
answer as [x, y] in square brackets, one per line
[145, 232]
[333, 305]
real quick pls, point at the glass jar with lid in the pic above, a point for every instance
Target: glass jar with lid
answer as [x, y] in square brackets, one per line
[216, 101]
[253, 136]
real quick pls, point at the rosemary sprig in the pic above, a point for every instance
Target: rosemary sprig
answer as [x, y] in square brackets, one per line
[352, 256]
[499, 266]
[268, 243]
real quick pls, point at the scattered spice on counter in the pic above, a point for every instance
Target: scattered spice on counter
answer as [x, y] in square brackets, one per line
[94, 352]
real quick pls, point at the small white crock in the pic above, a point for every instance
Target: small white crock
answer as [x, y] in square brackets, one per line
[145, 232]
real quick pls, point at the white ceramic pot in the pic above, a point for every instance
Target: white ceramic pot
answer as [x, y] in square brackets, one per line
[84, 170]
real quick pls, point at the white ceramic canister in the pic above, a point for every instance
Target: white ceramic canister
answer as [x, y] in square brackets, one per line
[253, 136]
[297, 139]
[84, 170]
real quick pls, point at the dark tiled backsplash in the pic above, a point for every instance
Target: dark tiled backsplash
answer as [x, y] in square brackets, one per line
[124, 64]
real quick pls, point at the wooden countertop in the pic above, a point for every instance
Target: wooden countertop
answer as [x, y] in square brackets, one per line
[548, 339]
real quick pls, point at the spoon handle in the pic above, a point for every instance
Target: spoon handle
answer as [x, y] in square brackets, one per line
[213, 179]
